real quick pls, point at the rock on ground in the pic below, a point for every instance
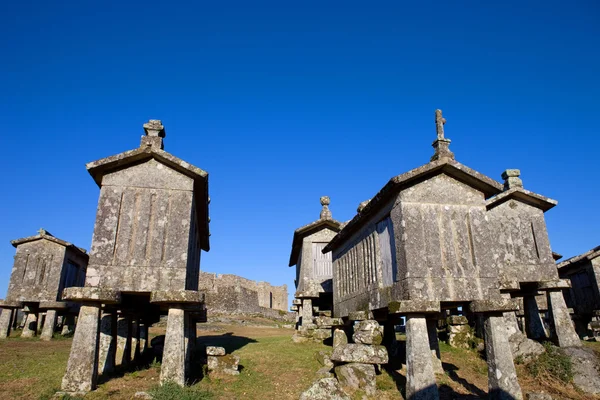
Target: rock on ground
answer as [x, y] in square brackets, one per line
[356, 376]
[360, 353]
[368, 332]
[586, 369]
[339, 338]
[324, 358]
[523, 347]
[325, 389]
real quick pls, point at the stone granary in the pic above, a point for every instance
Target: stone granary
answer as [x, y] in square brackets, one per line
[151, 224]
[439, 237]
[584, 296]
[44, 266]
[313, 267]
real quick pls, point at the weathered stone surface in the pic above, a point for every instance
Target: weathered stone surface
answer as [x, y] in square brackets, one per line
[215, 351]
[107, 348]
[586, 369]
[324, 358]
[356, 376]
[413, 306]
[322, 334]
[534, 326]
[524, 348]
[325, 389]
[176, 296]
[82, 366]
[49, 324]
[68, 325]
[5, 322]
[173, 367]
[142, 395]
[360, 353]
[123, 352]
[502, 376]
[434, 346]
[101, 295]
[359, 315]
[493, 305]
[324, 372]
[563, 329]
[460, 336]
[420, 378]
[339, 338]
[297, 338]
[328, 322]
[227, 364]
[554, 284]
[31, 325]
[368, 332]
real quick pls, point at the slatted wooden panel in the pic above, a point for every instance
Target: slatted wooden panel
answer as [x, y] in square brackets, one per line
[387, 251]
[321, 262]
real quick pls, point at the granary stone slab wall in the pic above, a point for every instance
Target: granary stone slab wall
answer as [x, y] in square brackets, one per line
[522, 248]
[307, 270]
[42, 268]
[232, 293]
[144, 238]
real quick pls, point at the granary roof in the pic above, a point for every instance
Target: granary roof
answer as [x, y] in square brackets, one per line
[523, 195]
[588, 255]
[44, 234]
[325, 221]
[443, 165]
[151, 149]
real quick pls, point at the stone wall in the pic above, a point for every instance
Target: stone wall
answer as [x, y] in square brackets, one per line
[232, 293]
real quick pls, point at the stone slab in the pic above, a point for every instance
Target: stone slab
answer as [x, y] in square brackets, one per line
[488, 306]
[557, 284]
[10, 304]
[92, 294]
[176, 296]
[54, 305]
[360, 353]
[215, 351]
[413, 307]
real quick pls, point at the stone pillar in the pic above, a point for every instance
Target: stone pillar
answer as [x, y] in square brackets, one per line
[30, 328]
[5, 322]
[135, 339]
[123, 340]
[190, 340]
[434, 345]
[173, 368]
[420, 378]
[68, 325]
[15, 318]
[307, 312]
[299, 317]
[107, 349]
[510, 318]
[563, 331]
[534, 325]
[143, 337]
[502, 376]
[49, 324]
[82, 368]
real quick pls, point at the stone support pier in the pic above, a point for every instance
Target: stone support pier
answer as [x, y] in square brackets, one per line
[143, 337]
[307, 311]
[124, 340]
[534, 325]
[107, 349]
[502, 375]
[434, 345]
[173, 368]
[563, 331]
[5, 322]
[49, 325]
[31, 324]
[135, 339]
[68, 325]
[82, 368]
[420, 376]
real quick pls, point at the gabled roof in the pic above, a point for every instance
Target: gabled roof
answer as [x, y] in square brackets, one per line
[525, 196]
[307, 230]
[589, 255]
[43, 234]
[99, 168]
[488, 186]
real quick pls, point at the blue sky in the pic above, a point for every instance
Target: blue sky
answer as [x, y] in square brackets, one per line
[284, 102]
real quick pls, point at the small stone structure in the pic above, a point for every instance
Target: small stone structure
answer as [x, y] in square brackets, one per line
[313, 281]
[444, 236]
[220, 362]
[44, 266]
[583, 271]
[151, 225]
[226, 293]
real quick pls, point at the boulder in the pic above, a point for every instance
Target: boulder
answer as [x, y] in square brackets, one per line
[324, 358]
[356, 376]
[325, 389]
[339, 338]
[459, 336]
[524, 348]
[321, 334]
[368, 332]
[296, 338]
[224, 364]
[215, 351]
[586, 369]
[360, 353]
[324, 372]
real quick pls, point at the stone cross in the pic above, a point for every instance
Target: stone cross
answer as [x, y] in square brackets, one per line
[325, 213]
[154, 127]
[439, 124]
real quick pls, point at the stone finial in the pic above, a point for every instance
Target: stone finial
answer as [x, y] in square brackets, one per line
[41, 231]
[325, 213]
[511, 179]
[362, 205]
[441, 144]
[155, 132]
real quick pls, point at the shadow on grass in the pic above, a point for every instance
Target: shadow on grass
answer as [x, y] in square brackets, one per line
[227, 340]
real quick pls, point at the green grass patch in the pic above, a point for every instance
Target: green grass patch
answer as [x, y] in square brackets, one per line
[553, 363]
[172, 391]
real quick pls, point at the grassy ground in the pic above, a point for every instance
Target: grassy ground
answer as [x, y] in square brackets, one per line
[272, 367]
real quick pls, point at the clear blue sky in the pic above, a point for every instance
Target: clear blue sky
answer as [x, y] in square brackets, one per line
[283, 102]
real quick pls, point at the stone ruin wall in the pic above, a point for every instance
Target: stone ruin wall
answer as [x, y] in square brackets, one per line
[232, 293]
